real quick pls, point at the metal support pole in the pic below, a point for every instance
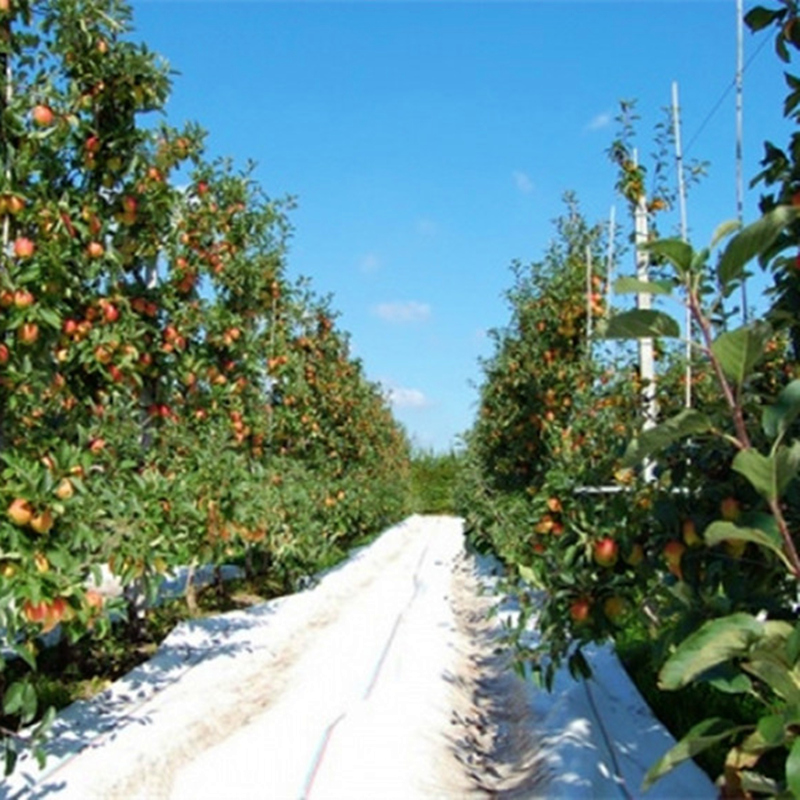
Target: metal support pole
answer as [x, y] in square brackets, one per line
[676, 128]
[646, 345]
[740, 133]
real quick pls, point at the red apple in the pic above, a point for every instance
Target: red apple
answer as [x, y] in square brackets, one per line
[4, 354]
[606, 552]
[23, 298]
[42, 115]
[103, 354]
[614, 607]
[580, 609]
[673, 552]
[42, 522]
[554, 504]
[110, 312]
[95, 250]
[20, 512]
[28, 333]
[635, 556]
[23, 247]
[35, 612]
[689, 532]
[59, 608]
[65, 489]
[730, 509]
[15, 204]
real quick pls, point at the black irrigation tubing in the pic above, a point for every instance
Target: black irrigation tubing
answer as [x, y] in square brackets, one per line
[620, 780]
[319, 757]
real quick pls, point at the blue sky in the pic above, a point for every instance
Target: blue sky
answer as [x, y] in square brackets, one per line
[429, 144]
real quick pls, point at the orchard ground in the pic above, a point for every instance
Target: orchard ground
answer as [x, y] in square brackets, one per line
[382, 680]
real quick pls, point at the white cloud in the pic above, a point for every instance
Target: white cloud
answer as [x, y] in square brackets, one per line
[411, 311]
[599, 121]
[370, 263]
[523, 182]
[400, 397]
[427, 227]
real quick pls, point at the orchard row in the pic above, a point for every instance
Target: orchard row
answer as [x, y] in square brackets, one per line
[167, 397]
[687, 530]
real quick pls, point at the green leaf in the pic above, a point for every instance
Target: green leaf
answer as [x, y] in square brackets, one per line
[702, 736]
[788, 465]
[641, 323]
[776, 676]
[50, 317]
[753, 745]
[720, 531]
[752, 241]
[793, 768]
[10, 757]
[777, 418]
[793, 645]
[30, 703]
[772, 729]
[676, 251]
[727, 678]
[12, 699]
[724, 230]
[781, 49]
[759, 17]
[700, 259]
[769, 475]
[527, 574]
[791, 714]
[760, 470]
[629, 285]
[46, 722]
[756, 782]
[715, 642]
[579, 666]
[688, 422]
[740, 350]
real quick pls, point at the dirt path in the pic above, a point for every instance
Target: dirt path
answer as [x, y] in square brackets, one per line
[380, 682]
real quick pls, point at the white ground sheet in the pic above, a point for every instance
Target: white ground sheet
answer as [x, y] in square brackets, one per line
[381, 681]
